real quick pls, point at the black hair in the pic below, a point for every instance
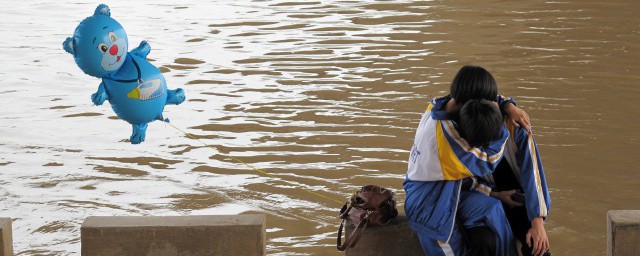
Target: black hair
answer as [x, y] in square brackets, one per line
[473, 82]
[480, 122]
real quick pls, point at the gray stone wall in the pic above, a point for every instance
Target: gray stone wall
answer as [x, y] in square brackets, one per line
[170, 236]
[6, 240]
[623, 231]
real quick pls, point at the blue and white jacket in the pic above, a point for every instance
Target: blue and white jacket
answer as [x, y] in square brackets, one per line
[521, 153]
[440, 158]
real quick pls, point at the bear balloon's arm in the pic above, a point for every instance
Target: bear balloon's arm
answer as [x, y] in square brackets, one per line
[142, 50]
[100, 96]
[175, 97]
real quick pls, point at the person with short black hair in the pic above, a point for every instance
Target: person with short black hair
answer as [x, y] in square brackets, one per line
[519, 170]
[480, 122]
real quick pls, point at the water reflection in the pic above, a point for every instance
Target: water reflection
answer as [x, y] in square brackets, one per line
[323, 95]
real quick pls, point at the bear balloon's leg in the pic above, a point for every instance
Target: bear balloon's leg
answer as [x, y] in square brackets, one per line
[175, 97]
[139, 132]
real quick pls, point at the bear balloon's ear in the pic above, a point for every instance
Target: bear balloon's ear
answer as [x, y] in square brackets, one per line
[102, 9]
[68, 45]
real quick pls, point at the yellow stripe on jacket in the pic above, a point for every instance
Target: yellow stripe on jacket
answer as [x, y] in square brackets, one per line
[429, 108]
[452, 168]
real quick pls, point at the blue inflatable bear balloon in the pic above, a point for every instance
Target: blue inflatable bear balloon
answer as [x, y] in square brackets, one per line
[135, 88]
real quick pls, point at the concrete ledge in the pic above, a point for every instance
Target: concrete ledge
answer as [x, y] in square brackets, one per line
[179, 235]
[6, 240]
[394, 239]
[623, 232]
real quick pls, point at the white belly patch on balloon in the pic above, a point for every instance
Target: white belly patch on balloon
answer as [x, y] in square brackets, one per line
[148, 90]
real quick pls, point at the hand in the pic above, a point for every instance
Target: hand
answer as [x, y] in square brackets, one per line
[517, 116]
[505, 197]
[144, 44]
[537, 237]
[142, 50]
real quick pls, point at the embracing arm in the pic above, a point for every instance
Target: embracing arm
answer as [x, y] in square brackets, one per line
[459, 160]
[142, 50]
[516, 115]
[100, 96]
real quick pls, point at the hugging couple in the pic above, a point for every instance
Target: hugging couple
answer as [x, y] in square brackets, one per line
[475, 182]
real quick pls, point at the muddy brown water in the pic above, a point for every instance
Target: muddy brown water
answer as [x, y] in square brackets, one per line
[324, 95]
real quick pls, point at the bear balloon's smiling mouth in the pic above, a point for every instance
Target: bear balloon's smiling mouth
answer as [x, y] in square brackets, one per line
[115, 62]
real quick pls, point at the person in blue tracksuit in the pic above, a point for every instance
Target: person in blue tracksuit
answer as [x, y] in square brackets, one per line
[519, 170]
[440, 159]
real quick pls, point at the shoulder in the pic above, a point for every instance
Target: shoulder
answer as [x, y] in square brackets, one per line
[435, 109]
[439, 101]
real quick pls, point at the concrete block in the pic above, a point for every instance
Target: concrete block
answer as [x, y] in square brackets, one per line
[6, 240]
[394, 239]
[623, 231]
[174, 235]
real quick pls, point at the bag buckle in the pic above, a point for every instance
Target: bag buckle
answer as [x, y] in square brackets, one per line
[369, 212]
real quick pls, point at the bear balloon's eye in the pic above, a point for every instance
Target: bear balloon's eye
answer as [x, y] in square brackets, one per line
[103, 47]
[112, 37]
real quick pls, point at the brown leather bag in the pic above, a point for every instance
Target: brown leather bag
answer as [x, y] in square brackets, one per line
[370, 205]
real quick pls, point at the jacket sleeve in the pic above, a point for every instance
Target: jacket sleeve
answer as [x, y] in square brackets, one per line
[459, 160]
[503, 101]
[532, 178]
[473, 184]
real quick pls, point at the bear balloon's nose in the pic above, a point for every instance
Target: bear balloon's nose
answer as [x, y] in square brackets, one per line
[113, 50]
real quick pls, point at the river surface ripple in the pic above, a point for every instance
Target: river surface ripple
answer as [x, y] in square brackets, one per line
[324, 95]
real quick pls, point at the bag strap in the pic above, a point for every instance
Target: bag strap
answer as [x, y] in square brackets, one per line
[341, 247]
[344, 213]
[352, 239]
[357, 233]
